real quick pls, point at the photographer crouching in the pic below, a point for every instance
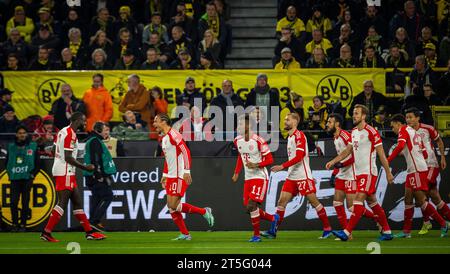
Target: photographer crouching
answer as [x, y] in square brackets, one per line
[99, 181]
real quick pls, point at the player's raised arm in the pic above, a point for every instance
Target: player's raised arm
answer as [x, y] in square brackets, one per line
[348, 150]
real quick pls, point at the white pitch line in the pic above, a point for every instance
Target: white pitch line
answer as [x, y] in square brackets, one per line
[216, 247]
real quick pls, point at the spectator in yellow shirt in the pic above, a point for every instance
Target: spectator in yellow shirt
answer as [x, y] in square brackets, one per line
[318, 42]
[291, 20]
[287, 62]
[319, 21]
[19, 21]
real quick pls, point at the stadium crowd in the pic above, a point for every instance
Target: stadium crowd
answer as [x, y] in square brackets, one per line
[120, 34]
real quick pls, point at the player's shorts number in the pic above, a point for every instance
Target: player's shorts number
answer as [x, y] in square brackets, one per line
[412, 182]
[348, 184]
[362, 182]
[302, 184]
[257, 193]
[174, 186]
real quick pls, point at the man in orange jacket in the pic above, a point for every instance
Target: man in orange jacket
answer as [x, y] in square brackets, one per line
[98, 102]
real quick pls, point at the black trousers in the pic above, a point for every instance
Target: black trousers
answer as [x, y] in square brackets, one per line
[102, 196]
[20, 188]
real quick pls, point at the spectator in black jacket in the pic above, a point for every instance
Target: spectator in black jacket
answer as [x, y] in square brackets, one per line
[48, 40]
[317, 59]
[68, 62]
[128, 61]
[179, 41]
[64, 106]
[287, 40]
[211, 20]
[99, 60]
[370, 98]
[396, 58]
[152, 62]
[372, 18]
[227, 100]
[125, 20]
[125, 43]
[417, 100]
[371, 59]
[43, 62]
[13, 63]
[190, 95]
[263, 96]
[8, 124]
[76, 45]
[15, 44]
[185, 22]
[431, 97]
[103, 21]
[408, 19]
[73, 20]
[184, 61]
[345, 59]
[421, 75]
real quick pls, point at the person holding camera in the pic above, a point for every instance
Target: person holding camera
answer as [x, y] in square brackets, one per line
[99, 180]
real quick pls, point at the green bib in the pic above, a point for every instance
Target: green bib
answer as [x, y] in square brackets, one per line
[108, 164]
[21, 161]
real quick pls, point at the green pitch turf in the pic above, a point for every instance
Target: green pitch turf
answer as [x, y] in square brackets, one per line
[297, 242]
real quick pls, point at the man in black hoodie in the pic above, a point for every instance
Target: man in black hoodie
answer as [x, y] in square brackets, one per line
[263, 96]
[8, 124]
[63, 107]
[227, 98]
[22, 166]
[190, 93]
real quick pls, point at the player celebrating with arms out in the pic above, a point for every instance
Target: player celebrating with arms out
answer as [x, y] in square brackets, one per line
[411, 146]
[64, 167]
[299, 178]
[365, 145]
[428, 135]
[343, 174]
[177, 175]
[255, 153]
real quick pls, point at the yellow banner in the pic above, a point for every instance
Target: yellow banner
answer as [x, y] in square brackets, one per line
[36, 91]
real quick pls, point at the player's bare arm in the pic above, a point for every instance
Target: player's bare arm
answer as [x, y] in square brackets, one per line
[385, 164]
[277, 168]
[72, 161]
[441, 148]
[163, 181]
[348, 150]
[252, 165]
[187, 178]
[235, 177]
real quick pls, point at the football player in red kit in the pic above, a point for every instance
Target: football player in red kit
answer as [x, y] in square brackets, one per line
[64, 167]
[177, 175]
[343, 175]
[299, 179]
[254, 156]
[365, 145]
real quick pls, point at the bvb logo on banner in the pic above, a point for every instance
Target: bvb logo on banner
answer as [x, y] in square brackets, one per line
[335, 87]
[49, 91]
[42, 199]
